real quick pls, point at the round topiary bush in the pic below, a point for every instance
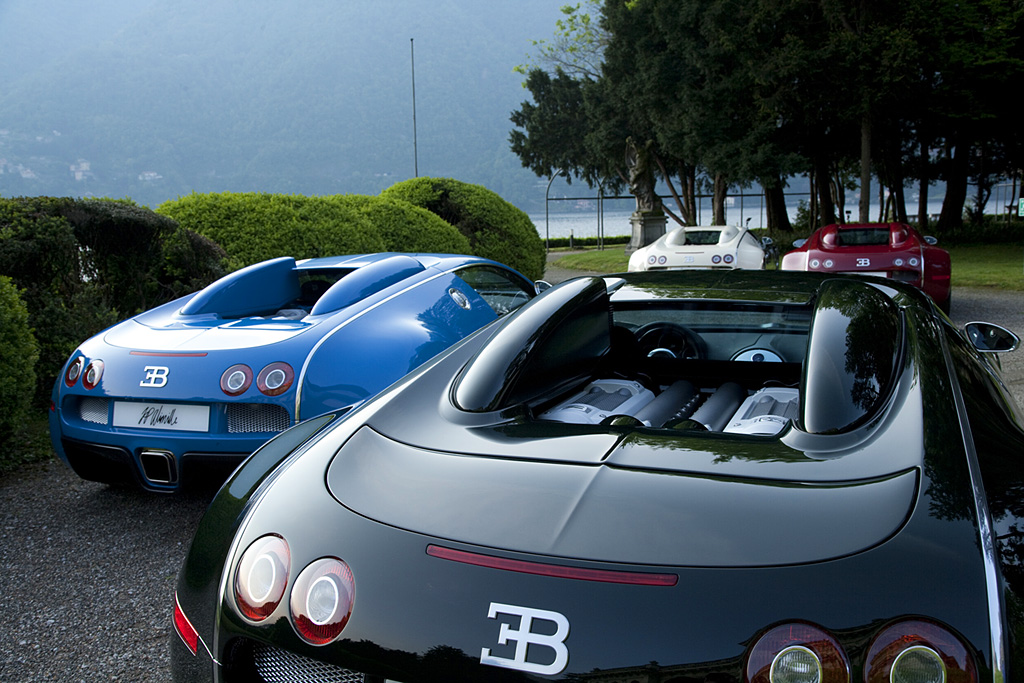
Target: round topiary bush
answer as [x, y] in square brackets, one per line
[405, 227]
[495, 228]
[254, 227]
[18, 353]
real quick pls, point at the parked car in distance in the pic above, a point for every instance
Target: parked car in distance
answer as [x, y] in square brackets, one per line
[707, 246]
[893, 250]
[190, 388]
[729, 476]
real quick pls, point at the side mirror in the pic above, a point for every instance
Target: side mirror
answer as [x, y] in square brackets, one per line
[541, 286]
[990, 338]
[799, 243]
[767, 241]
[931, 240]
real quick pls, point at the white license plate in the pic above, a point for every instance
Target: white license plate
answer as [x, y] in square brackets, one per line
[173, 416]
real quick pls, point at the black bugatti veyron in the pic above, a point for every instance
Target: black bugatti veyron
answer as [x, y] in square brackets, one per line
[674, 477]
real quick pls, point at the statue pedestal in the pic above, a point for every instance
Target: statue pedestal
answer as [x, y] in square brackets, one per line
[647, 227]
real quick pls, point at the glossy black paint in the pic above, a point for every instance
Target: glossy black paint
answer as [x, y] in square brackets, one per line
[862, 513]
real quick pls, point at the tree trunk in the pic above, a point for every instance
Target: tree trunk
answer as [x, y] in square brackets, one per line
[865, 168]
[775, 207]
[718, 200]
[952, 216]
[922, 190]
[826, 207]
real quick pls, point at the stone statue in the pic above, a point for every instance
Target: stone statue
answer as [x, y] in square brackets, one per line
[641, 177]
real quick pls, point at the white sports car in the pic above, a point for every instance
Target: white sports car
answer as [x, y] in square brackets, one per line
[707, 246]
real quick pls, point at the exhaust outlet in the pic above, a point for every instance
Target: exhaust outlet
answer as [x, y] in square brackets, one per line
[158, 466]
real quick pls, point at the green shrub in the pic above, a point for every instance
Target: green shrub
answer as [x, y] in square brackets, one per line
[405, 227]
[82, 265]
[495, 228]
[254, 227]
[18, 354]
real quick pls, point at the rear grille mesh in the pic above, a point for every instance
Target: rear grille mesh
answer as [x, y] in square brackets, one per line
[280, 666]
[93, 410]
[244, 418]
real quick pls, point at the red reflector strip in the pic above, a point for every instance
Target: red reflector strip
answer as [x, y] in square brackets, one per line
[167, 354]
[553, 570]
[185, 630]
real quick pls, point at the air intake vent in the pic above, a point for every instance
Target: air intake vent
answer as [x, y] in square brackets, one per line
[244, 418]
[280, 666]
[93, 410]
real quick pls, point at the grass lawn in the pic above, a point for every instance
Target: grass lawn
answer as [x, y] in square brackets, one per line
[999, 266]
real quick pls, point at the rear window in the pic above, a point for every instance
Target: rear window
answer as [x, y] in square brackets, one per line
[860, 237]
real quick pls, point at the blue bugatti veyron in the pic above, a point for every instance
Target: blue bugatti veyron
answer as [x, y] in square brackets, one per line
[188, 389]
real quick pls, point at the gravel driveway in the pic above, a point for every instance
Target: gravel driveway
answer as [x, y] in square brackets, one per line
[87, 571]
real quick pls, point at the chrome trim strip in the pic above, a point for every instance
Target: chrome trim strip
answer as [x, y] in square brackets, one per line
[986, 533]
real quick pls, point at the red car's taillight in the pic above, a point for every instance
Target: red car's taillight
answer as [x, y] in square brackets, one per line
[262, 576]
[321, 600]
[797, 652]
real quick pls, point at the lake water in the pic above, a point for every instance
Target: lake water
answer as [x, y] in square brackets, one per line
[584, 220]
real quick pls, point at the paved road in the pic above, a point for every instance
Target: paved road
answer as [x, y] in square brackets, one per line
[87, 571]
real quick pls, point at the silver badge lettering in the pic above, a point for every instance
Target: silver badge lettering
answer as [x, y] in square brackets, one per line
[156, 376]
[524, 636]
[863, 262]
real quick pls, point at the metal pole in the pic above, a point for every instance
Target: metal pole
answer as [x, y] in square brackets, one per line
[415, 150]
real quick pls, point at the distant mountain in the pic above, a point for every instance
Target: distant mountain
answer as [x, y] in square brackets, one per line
[154, 99]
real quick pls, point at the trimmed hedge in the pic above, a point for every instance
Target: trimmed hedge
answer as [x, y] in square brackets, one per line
[495, 228]
[253, 227]
[82, 265]
[18, 354]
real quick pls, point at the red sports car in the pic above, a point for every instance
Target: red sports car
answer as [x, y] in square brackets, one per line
[892, 250]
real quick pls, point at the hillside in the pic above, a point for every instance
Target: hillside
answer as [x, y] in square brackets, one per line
[153, 99]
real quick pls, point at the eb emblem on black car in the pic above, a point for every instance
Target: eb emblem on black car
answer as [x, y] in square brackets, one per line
[524, 636]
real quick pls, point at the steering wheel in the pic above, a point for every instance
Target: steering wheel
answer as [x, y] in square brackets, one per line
[670, 340]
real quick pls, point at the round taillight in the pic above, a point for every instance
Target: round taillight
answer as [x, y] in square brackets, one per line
[918, 651]
[74, 371]
[716, 259]
[261, 577]
[728, 258]
[815, 263]
[652, 259]
[275, 379]
[236, 379]
[92, 375]
[662, 260]
[797, 653]
[321, 600]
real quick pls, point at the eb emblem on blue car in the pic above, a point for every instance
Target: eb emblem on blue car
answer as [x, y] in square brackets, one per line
[525, 636]
[156, 376]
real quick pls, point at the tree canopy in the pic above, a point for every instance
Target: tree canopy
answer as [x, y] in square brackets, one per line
[729, 93]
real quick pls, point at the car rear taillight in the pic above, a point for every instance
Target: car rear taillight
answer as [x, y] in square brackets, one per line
[74, 371]
[92, 375]
[275, 379]
[728, 258]
[920, 651]
[184, 627]
[236, 379]
[321, 600]
[797, 652]
[262, 576]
